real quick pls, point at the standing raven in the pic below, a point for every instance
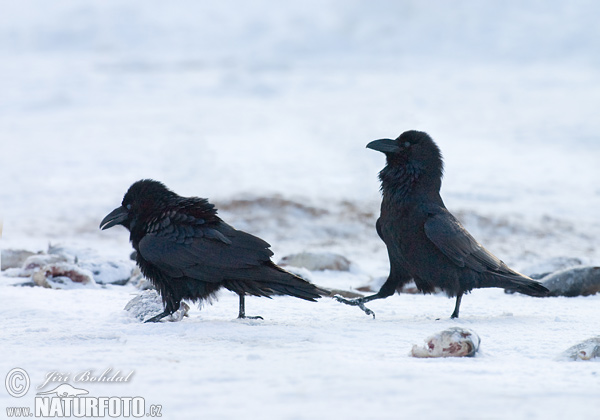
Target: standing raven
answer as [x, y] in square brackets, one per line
[188, 252]
[425, 242]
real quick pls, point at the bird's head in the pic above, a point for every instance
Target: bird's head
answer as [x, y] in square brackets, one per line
[140, 202]
[413, 148]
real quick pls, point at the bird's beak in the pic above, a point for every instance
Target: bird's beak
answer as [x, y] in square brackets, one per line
[115, 217]
[384, 145]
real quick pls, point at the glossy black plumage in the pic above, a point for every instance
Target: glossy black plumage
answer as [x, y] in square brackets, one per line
[425, 242]
[188, 252]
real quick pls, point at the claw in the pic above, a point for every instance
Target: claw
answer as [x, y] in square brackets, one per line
[366, 310]
[158, 317]
[355, 302]
[250, 317]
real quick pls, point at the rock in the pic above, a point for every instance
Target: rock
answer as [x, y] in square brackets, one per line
[63, 276]
[105, 271]
[149, 303]
[109, 272]
[587, 350]
[13, 258]
[570, 282]
[543, 268]
[453, 342]
[317, 261]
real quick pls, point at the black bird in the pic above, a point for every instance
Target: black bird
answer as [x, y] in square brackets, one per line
[425, 242]
[188, 252]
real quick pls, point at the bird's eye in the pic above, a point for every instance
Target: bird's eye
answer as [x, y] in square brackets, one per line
[128, 206]
[406, 143]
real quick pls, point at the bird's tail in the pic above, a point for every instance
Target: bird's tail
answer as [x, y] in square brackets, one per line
[270, 279]
[516, 283]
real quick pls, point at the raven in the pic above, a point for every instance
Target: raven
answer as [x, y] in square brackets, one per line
[425, 242]
[188, 252]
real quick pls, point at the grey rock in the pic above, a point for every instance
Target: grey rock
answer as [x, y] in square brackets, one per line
[103, 271]
[571, 282]
[317, 261]
[109, 272]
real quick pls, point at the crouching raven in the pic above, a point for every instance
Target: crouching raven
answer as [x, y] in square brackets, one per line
[188, 252]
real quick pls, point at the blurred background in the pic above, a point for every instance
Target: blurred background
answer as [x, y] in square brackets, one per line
[265, 108]
[275, 101]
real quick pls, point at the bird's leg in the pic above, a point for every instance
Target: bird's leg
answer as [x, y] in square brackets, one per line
[360, 302]
[242, 314]
[457, 306]
[159, 316]
[388, 289]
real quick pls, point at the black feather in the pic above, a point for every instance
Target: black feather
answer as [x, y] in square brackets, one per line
[424, 241]
[188, 252]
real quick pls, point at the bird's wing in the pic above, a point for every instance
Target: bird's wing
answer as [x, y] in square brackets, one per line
[206, 253]
[450, 237]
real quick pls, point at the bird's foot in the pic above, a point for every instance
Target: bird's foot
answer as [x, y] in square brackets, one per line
[242, 312]
[241, 316]
[355, 302]
[158, 317]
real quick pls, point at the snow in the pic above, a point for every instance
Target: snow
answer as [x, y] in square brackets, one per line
[265, 108]
[314, 360]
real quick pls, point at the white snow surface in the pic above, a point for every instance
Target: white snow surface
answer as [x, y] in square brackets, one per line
[265, 108]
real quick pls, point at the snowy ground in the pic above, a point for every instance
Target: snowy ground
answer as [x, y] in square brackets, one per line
[265, 108]
[319, 360]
